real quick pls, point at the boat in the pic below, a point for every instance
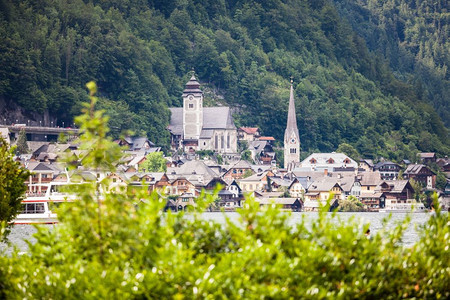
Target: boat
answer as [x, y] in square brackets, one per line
[403, 207]
[40, 202]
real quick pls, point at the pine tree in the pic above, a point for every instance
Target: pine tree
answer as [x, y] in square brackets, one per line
[22, 146]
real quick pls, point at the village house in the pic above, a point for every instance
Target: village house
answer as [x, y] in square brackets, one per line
[238, 170]
[395, 191]
[256, 182]
[290, 204]
[180, 186]
[421, 174]
[41, 174]
[137, 144]
[319, 192]
[248, 134]
[234, 188]
[298, 187]
[262, 152]
[388, 170]
[366, 164]
[427, 157]
[327, 161]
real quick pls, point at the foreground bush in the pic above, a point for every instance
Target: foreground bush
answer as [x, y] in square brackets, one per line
[113, 246]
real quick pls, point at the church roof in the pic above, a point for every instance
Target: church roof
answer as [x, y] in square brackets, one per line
[213, 118]
[217, 118]
[176, 120]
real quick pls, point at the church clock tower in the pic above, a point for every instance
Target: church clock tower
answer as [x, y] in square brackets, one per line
[291, 137]
[192, 110]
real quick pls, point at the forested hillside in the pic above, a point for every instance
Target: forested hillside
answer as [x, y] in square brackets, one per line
[413, 35]
[140, 53]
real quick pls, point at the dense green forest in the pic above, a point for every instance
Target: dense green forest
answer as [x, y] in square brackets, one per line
[412, 35]
[140, 53]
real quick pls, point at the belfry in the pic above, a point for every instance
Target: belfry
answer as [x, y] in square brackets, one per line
[291, 136]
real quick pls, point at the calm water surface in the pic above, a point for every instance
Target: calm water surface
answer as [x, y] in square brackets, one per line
[21, 233]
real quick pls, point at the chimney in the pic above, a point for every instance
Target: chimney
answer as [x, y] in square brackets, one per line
[325, 172]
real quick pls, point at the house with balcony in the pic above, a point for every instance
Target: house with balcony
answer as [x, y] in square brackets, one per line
[388, 170]
[421, 174]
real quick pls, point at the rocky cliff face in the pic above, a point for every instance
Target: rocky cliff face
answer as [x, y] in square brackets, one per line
[11, 113]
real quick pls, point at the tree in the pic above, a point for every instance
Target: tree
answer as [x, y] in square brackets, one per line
[349, 150]
[22, 145]
[12, 187]
[350, 204]
[247, 155]
[155, 162]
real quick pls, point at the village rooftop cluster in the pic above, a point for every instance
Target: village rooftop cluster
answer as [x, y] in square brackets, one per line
[206, 153]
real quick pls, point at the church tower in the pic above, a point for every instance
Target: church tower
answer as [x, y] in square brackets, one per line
[192, 110]
[291, 137]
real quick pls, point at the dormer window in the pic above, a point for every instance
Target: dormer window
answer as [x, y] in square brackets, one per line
[313, 161]
[346, 161]
[330, 161]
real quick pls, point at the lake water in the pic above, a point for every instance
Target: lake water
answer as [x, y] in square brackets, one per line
[21, 233]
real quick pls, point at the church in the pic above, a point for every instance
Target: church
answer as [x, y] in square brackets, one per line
[195, 128]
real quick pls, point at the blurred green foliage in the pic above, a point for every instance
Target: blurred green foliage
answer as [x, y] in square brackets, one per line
[113, 245]
[12, 187]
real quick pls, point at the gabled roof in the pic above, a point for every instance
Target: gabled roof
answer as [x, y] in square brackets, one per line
[42, 167]
[323, 186]
[241, 164]
[249, 130]
[370, 178]
[416, 168]
[255, 177]
[328, 160]
[427, 155]
[193, 167]
[369, 162]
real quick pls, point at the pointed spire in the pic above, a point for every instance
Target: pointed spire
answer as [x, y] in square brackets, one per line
[292, 119]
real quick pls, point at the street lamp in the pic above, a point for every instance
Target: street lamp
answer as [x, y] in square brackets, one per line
[63, 124]
[40, 123]
[51, 124]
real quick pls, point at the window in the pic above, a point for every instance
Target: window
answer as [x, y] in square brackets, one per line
[216, 142]
[222, 141]
[313, 161]
[330, 161]
[33, 208]
[228, 141]
[191, 105]
[293, 150]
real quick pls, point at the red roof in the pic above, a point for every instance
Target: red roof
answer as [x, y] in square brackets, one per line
[266, 138]
[249, 130]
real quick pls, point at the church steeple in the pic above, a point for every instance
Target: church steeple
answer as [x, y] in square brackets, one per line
[291, 136]
[192, 109]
